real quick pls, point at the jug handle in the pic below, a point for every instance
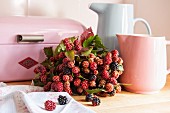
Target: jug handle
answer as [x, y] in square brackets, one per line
[168, 43]
[146, 24]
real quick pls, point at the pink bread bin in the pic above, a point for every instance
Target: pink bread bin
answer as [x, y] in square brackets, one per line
[22, 40]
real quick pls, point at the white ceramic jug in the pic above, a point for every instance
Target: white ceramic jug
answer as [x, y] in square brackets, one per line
[113, 19]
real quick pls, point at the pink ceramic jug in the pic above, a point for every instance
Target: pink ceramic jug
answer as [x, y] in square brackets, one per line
[145, 62]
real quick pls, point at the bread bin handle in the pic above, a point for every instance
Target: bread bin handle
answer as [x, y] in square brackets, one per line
[30, 38]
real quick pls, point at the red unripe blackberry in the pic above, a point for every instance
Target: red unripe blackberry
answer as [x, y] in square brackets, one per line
[40, 69]
[105, 74]
[70, 78]
[66, 84]
[106, 67]
[49, 105]
[95, 72]
[65, 78]
[99, 62]
[115, 52]
[43, 78]
[75, 69]
[76, 42]
[109, 55]
[56, 57]
[77, 75]
[68, 90]
[107, 60]
[85, 84]
[56, 78]
[85, 64]
[53, 86]
[52, 59]
[47, 87]
[92, 83]
[91, 60]
[77, 82]
[65, 60]
[115, 74]
[60, 67]
[112, 80]
[115, 58]
[66, 40]
[58, 86]
[70, 64]
[86, 70]
[102, 83]
[78, 47]
[61, 55]
[120, 61]
[86, 34]
[80, 90]
[69, 46]
[118, 89]
[91, 55]
[93, 65]
[36, 70]
[109, 87]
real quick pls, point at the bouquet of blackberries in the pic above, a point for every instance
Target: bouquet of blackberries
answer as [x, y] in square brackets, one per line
[80, 65]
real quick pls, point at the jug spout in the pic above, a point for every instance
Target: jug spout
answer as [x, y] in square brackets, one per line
[97, 7]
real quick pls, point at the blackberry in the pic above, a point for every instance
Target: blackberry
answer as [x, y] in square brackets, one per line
[114, 66]
[95, 101]
[92, 77]
[66, 71]
[62, 100]
[89, 97]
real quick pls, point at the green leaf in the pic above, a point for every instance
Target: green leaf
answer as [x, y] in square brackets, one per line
[97, 90]
[98, 42]
[37, 76]
[63, 48]
[57, 50]
[86, 53]
[120, 68]
[82, 77]
[88, 41]
[45, 62]
[37, 82]
[70, 54]
[72, 39]
[48, 51]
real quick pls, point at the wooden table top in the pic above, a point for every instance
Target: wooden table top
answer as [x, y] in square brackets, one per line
[128, 102]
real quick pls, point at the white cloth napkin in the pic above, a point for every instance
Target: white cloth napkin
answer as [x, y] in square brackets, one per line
[30, 99]
[2, 84]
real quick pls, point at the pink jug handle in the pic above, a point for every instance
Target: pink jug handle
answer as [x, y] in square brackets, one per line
[168, 43]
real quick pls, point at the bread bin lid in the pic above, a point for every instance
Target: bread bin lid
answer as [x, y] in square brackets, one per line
[15, 29]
